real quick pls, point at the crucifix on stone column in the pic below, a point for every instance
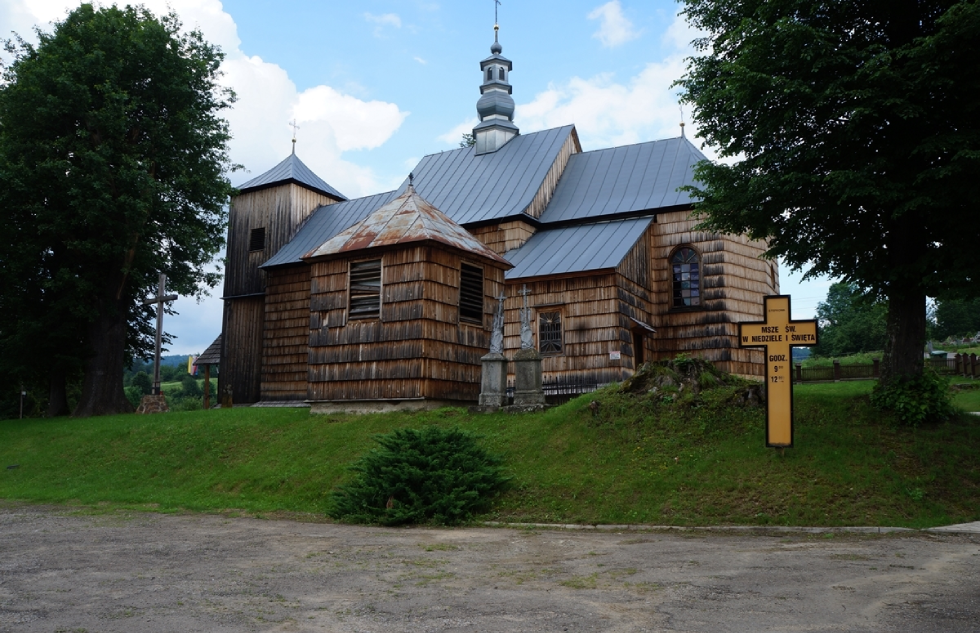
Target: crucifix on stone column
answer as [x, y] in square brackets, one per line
[160, 299]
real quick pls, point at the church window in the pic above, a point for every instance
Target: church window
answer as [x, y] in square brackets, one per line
[549, 332]
[490, 74]
[365, 289]
[256, 239]
[471, 294]
[686, 268]
[500, 74]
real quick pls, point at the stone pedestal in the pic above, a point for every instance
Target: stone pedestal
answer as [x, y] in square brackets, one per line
[527, 383]
[153, 404]
[493, 381]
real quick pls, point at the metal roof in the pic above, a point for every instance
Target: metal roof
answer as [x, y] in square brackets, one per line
[406, 219]
[574, 249]
[323, 224]
[292, 169]
[470, 188]
[624, 179]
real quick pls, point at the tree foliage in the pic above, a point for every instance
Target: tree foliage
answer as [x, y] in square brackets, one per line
[113, 162]
[957, 317]
[854, 129]
[431, 475]
[850, 322]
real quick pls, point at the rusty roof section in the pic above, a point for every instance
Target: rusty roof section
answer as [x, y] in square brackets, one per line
[406, 219]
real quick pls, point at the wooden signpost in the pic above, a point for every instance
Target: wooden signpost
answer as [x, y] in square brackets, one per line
[778, 334]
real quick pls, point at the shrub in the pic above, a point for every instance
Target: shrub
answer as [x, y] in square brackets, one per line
[142, 382]
[915, 401]
[432, 475]
[189, 387]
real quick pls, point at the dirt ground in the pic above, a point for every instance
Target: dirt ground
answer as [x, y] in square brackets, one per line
[65, 571]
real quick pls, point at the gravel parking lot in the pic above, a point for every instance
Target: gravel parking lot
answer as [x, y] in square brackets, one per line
[65, 571]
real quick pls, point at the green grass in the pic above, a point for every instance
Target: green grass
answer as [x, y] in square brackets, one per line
[699, 462]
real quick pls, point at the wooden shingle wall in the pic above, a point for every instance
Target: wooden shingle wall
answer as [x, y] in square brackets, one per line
[595, 310]
[505, 236]
[241, 349]
[280, 210]
[417, 349]
[734, 281]
[286, 340]
[547, 188]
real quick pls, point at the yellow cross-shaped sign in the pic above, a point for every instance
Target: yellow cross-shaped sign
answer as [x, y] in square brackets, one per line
[778, 334]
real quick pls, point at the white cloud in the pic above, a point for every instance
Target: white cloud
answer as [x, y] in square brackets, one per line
[614, 28]
[383, 20]
[455, 135]
[420, 60]
[332, 122]
[608, 113]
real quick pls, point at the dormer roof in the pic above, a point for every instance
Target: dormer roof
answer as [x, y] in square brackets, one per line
[407, 219]
[291, 170]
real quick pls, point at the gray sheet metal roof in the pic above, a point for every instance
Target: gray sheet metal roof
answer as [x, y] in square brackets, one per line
[470, 188]
[292, 169]
[573, 249]
[624, 179]
[324, 223]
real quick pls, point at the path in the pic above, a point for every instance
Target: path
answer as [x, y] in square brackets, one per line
[152, 573]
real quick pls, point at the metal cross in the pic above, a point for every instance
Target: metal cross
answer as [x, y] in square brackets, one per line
[496, 3]
[295, 127]
[160, 299]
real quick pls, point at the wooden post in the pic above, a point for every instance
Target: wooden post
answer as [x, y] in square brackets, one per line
[876, 367]
[837, 373]
[957, 364]
[799, 372]
[973, 365]
[207, 386]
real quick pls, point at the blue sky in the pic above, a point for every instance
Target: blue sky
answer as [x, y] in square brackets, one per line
[376, 85]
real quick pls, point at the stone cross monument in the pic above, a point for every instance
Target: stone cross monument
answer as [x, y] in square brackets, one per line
[527, 362]
[493, 381]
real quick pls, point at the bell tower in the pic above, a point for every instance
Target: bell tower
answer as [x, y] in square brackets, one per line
[496, 106]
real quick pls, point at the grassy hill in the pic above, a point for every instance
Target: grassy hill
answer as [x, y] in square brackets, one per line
[642, 459]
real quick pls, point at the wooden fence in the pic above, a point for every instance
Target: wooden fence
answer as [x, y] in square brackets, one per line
[959, 365]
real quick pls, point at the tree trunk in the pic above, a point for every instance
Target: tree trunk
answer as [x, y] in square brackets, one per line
[102, 388]
[905, 337]
[58, 393]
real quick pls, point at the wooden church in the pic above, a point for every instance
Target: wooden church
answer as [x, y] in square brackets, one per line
[386, 302]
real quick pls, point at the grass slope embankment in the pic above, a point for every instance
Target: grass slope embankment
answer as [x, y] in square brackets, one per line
[640, 460]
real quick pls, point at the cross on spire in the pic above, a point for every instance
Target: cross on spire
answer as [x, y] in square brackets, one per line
[295, 127]
[496, 3]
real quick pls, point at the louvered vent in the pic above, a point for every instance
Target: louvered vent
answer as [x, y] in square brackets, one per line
[256, 239]
[471, 294]
[365, 289]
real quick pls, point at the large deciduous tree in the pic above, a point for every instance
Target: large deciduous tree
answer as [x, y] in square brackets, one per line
[113, 163]
[850, 322]
[853, 129]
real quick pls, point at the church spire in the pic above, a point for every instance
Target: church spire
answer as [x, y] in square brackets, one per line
[495, 107]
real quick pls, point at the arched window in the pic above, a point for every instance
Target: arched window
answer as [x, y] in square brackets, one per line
[500, 74]
[490, 74]
[686, 274]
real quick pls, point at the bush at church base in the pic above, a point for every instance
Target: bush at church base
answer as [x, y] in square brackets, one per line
[431, 475]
